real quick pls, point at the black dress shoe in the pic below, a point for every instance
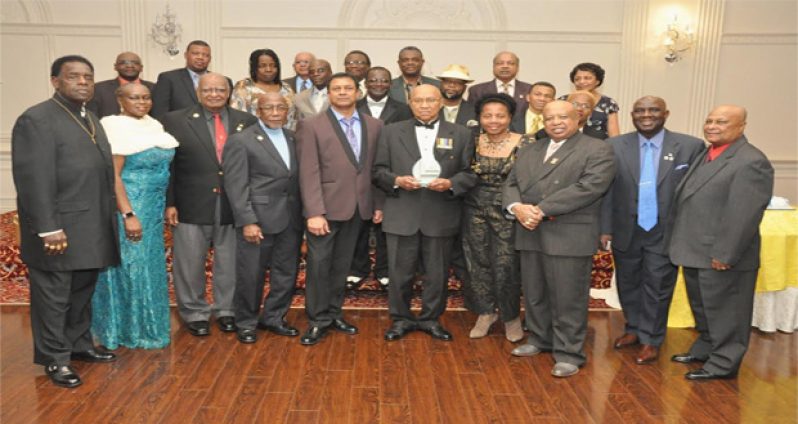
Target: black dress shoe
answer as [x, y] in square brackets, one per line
[226, 324]
[198, 328]
[246, 336]
[281, 330]
[92, 355]
[396, 331]
[702, 374]
[313, 336]
[437, 331]
[353, 285]
[344, 327]
[63, 376]
[686, 358]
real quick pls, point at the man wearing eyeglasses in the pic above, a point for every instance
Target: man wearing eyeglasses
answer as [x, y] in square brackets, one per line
[584, 102]
[128, 67]
[411, 62]
[357, 63]
[314, 101]
[302, 80]
[197, 205]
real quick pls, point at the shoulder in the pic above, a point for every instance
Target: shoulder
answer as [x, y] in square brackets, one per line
[684, 139]
[167, 75]
[608, 104]
[110, 84]
[241, 115]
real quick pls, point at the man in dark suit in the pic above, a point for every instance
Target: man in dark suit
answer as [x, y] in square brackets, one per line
[262, 183]
[198, 208]
[555, 191]
[64, 177]
[128, 67]
[454, 109]
[411, 62]
[422, 221]
[357, 63]
[301, 80]
[530, 121]
[715, 238]
[505, 69]
[177, 89]
[379, 105]
[336, 152]
[314, 101]
[649, 163]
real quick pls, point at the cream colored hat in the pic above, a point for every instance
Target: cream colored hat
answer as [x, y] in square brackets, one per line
[459, 72]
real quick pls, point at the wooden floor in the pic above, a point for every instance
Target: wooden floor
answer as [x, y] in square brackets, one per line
[362, 379]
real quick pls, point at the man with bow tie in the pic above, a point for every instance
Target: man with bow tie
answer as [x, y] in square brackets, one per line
[424, 167]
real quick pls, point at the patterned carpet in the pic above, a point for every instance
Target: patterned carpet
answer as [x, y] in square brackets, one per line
[370, 295]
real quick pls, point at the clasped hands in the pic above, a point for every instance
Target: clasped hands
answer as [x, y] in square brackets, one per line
[529, 216]
[55, 244]
[410, 183]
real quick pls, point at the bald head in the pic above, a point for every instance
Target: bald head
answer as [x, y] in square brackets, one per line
[649, 114]
[505, 66]
[425, 102]
[320, 72]
[128, 65]
[725, 124]
[302, 65]
[560, 119]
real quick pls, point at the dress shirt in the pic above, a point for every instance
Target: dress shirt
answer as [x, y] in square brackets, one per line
[300, 83]
[355, 125]
[376, 106]
[425, 137]
[317, 98]
[553, 147]
[529, 125]
[450, 113]
[277, 138]
[123, 81]
[510, 87]
[656, 141]
[714, 152]
[211, 125]
[194, 77]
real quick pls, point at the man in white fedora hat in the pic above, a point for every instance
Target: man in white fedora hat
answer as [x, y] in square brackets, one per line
[453, 85]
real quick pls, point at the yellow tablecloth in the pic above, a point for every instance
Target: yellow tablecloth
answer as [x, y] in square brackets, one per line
[779, 263]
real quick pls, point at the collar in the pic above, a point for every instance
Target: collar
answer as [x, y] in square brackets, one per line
[657, 139]
[209, 115]
[71, 105]
[123, 81]
[339, 117]
[371, 101]
[510, 84]
[271, 132]
[431, 125]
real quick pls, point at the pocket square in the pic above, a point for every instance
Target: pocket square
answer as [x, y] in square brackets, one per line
[681, 166]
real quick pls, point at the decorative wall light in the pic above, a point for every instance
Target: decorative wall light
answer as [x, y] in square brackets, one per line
[678, 40]
[166, 32]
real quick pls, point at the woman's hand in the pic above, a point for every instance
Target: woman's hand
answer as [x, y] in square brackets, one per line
[133, 228]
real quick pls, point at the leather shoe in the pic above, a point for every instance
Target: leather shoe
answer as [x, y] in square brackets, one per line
[344, 327]
[282, 329]
[398, 331]
[198, 328]
[246, 336]
[685, 358]
[564, 369]
[226, 324]
[313, 336]
[438, 332]
[92, 355]
[526, 350]
[63, 376]
[702, 374]
[647, 353]
[628, 339]
[354, 282]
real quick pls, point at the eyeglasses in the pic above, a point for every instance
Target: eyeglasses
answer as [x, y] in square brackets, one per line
[355, 62]
[582, 106]
[128, 62]
[272, 108]
[377, 81]
[318, 70]
[213, 90]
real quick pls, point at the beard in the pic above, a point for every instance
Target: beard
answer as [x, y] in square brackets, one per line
[455, 96]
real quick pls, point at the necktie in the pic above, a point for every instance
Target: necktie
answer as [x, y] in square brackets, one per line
[552, 149]
[408, 90]
[505, 88]
[537, 124]
[450, 114]
[195, 79]
[221, 135]
[305, 85]
[351, 137]
[647, 190]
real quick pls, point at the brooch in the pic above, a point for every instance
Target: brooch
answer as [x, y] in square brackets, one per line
[239, 127]
[195, 115]
[668, 156]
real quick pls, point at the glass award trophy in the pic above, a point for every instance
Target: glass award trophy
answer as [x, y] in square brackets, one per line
[426, 171]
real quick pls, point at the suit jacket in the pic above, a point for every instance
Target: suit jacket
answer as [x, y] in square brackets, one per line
[64, 181]
[718, 206]
[197, 176]
[333, 183]
[174, 90]
[568, 187]
[398, 87]
[261, 188]
[304, 105]
[104, 101]
[619, 209]
[476, 91]
[433, 213]
[392, 112]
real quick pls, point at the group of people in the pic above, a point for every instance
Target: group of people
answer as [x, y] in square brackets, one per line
[511, 188]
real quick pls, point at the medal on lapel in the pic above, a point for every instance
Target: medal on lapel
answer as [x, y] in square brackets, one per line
[444, 143]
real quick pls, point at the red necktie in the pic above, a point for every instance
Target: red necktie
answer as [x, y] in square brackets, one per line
[221, 135]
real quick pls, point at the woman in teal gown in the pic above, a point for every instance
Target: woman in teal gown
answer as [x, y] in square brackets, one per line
[131, 301]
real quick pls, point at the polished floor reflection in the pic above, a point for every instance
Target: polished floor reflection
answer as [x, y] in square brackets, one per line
[362, 379]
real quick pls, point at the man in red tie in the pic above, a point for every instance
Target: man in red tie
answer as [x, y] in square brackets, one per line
[197, 206]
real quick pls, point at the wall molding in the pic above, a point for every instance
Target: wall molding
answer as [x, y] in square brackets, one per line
[703, 85]
[632, 63]
[61, 29]
[757, 39]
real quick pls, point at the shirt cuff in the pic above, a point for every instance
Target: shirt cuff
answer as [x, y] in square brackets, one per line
[510, 208]
[49, 233]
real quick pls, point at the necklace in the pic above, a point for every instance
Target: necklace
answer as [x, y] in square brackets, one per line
[91, 133]
[493, 148]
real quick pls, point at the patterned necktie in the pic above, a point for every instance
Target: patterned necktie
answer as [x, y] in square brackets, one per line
[647, 190]
[221, 135]
[505, 88]
[305, 85]
[537, 124]
[351, 137]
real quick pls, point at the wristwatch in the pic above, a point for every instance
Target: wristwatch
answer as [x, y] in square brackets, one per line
[129, 214]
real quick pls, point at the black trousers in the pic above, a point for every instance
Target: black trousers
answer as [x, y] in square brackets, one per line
[403, 257]
[60, 313]
[328, 262]
[361, 263]
[280, 254]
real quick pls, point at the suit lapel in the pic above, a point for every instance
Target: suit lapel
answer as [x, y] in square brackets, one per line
[292, 152]
[630, 154]
[409, 140]
[559, 156]
[445, 130]
[189, 84]
[387, 111]
[268, 145]
[706, 170]
[670, 149]
[197, 123]
[342, 137]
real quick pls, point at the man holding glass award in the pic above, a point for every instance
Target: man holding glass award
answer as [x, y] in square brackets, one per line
[424, 166]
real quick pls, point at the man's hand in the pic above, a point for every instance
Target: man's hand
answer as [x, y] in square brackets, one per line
[529, 216]
[720, 266]
[171, 216]
[377, 218]
[133, 228]
[407, 182]
[252, 233]
[55, 244]
[605, 242]
[439, 184]
[318, 226]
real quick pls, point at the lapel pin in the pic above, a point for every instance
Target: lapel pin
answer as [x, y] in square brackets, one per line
[669, 156]
[554, 161]
[260, 138]
[239, 127]
[195, 115]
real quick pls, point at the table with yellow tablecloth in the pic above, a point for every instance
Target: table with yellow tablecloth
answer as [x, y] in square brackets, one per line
[776, 300]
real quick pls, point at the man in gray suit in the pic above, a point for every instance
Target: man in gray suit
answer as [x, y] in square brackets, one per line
[314, 101]
[650, 163]
[505, 70]
[555, 191]
[715, 238]
[411, 62]
[422, 221]
[64, 176]
[262, 183]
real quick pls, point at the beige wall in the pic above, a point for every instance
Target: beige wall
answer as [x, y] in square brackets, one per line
[746, 50]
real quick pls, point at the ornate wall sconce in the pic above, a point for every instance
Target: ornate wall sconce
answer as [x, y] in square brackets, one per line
[678, 40]
[166, 32]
